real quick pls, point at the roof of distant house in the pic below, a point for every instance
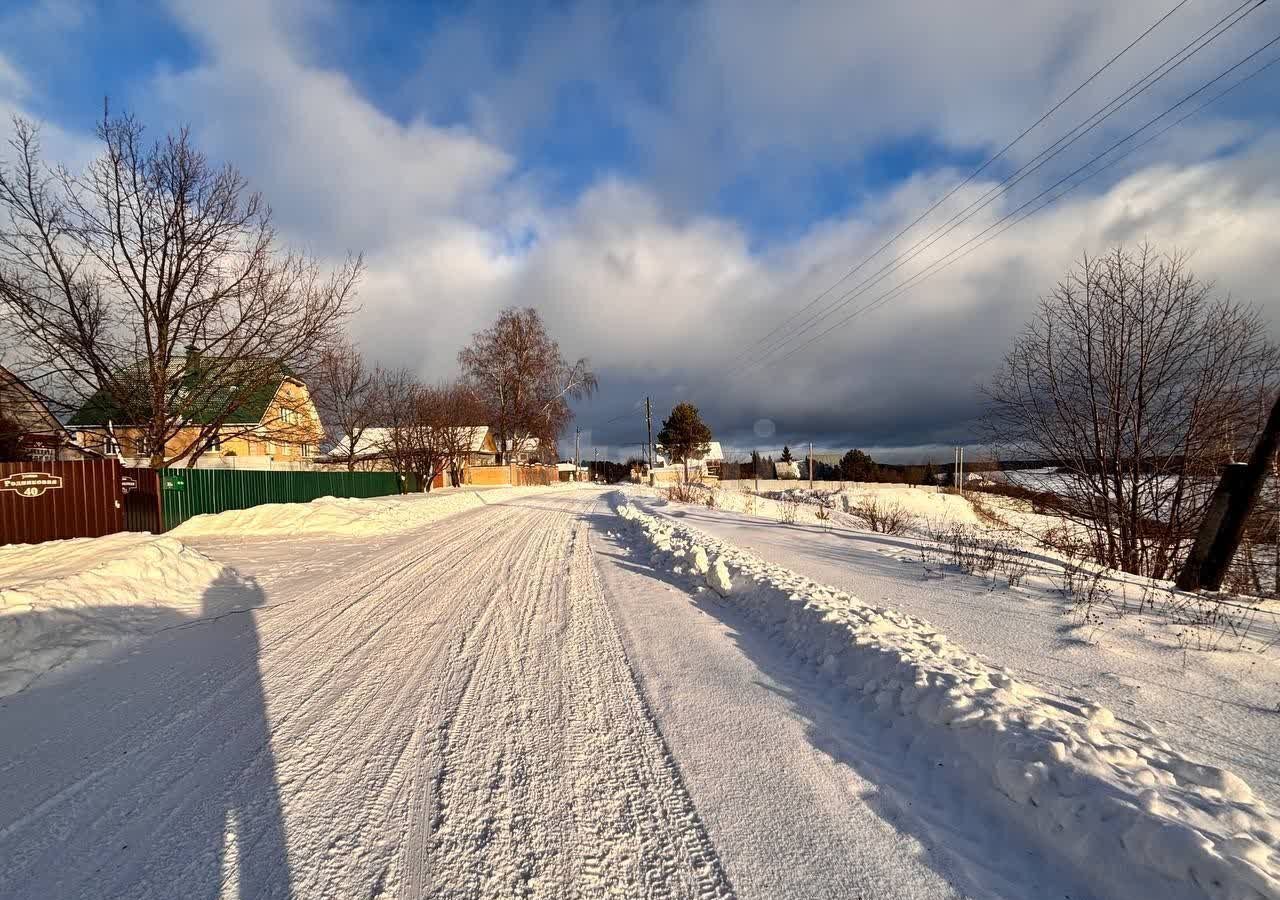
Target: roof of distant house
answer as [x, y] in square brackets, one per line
[374, 439]
[714, 453]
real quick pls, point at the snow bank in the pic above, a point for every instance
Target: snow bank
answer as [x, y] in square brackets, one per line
[352, 517]
[66, 601]
[1135, 816]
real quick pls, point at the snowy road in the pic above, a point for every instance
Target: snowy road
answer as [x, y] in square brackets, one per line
[500, 704]
[445, 715]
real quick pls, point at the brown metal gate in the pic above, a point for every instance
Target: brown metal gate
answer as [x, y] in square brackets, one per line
[47, 501]
[142, 510]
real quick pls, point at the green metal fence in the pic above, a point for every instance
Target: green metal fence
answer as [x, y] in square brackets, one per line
[192, 492]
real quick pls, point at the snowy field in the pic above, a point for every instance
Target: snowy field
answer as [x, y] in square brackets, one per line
[526, 693]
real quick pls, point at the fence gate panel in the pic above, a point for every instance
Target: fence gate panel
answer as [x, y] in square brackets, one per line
[141, 500]
[49, 501]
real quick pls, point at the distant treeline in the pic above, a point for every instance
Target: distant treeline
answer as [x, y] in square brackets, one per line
[855, 465]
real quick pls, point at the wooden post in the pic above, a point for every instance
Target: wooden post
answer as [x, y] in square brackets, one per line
[1224, 521]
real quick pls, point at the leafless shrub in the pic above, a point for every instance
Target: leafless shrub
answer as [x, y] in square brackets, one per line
[1015, 568]
[826, 507]
[880, 517]
[682, 492]
[974, 551]
[985, 512]
[789, 511]
[711, 500]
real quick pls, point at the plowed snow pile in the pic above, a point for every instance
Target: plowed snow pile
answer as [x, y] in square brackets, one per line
[65, 601]
[1134, 815]
[352, 517]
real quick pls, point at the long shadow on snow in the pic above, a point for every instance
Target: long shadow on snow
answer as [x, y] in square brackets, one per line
[968, 840]
[150, 772]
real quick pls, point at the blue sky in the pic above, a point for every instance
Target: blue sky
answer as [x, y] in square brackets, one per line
[669, 181]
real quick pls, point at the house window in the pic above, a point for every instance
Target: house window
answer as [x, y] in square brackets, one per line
[288, 416]
[271, 448]
[215, 442]
[306, 449]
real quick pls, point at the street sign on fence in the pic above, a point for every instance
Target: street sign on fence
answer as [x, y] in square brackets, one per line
[31, 484]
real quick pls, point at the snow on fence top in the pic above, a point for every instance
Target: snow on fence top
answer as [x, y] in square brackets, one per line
[1136, 817]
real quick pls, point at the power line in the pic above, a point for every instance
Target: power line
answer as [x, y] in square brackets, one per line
[976, 172]
[944, 261]
[1090, 123]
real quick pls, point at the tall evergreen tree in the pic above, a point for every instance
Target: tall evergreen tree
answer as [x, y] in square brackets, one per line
[684, 435]
[858, 466]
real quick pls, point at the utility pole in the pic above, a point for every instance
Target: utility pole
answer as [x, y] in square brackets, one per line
[755, 468]
[577, 433]
[648, 417]
[811, 467]
[962, 471]
[955, 468]
[1224, 520]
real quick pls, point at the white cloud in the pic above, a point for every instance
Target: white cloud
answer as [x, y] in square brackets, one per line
[352, 175]
[658, 295]
[13, 85]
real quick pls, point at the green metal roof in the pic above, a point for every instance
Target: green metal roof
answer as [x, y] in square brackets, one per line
[249, 408]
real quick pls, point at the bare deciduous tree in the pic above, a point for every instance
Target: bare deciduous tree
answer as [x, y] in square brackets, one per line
[519, 373]
[461, 423]
[344, 389]
[152, 284]
[421, 434]
[1140, 384]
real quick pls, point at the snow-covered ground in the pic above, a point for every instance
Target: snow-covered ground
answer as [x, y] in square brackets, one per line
[64, 604]
[518, 698]
[68, 602]
[447, 713]
[1220, 705]
[1131, 812]
[351, 517]
[798, 504]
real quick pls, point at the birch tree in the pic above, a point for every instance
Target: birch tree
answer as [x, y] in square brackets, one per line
[520, 375]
